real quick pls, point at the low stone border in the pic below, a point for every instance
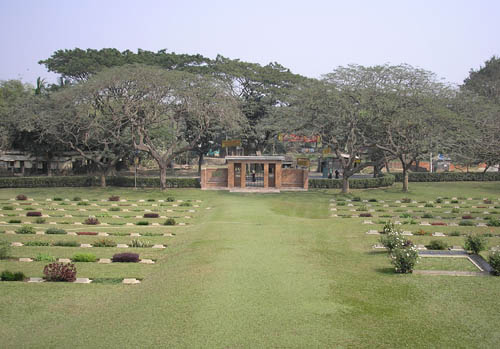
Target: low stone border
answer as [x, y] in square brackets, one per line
[158, 246]
[126, 281]
[451, 273]
[100, 261]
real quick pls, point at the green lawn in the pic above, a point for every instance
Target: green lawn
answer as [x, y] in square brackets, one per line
[255, 270]
[445, 263]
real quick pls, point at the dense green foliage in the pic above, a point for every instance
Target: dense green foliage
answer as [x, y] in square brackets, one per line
[354, 183]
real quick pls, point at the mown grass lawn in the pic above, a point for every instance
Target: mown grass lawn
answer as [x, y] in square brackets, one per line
[253, 271]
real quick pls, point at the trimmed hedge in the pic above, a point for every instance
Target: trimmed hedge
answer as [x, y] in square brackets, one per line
[448, 176]
[93, 181]
[354, 183]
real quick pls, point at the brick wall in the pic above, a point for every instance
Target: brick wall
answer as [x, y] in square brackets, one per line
[294, 178]
[214, 178]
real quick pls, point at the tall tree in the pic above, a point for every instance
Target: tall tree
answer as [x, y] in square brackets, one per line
[261, 90]
[337, 111]
[78, 65]
[409, 109]
[85, 119]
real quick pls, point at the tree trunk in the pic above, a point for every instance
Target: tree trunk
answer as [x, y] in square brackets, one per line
[405, 179]
[163, 176]
[200, 162]
[103, 179]
[345, 185]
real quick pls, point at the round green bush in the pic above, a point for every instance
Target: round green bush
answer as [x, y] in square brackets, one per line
[494, 261]
[438, 245]
[26, 229]
[475, 243]
[169, 221]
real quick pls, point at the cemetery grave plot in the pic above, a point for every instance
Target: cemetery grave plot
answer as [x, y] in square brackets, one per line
[446, 215]
[430, 226]
[50, 229]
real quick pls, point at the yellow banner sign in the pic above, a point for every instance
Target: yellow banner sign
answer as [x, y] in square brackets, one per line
[231, 143]
[304, 162]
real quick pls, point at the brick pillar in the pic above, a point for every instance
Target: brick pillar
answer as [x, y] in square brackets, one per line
[243, 174]
[277, 176]
[306, 179]
[203, 178]
[266, 175]
[230, 175]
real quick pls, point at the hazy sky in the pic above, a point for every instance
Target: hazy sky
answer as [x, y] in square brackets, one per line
[309, 37]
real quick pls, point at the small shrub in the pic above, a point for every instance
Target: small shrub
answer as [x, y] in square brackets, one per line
[7, 208]
[429, 204]
[341, 203]
[372, 200]
[467, 216]
[410, 221]
[427, 215]
[142, 223]
[454, 233]
[388, 227]
[140, 243]
[356, 198]
[114, 209]
[125, 257]
[10, 276]
[367, 214]
[438, 245]
[404, 258]
[151, 200]
[487, 201]
[406, 200]
[114, 198]
[151, 215]
[169, 221]
[60, 272]
[84, 257]
[466, 223]
[14, 221]
[33, 214]
[91, 221]
[57, 199]
[86, 233]
[104, 242]
[185, 204]
[494, 222]
[170, 199]
[21, 197]
[63, 243]
[26, 229]
[55, 231]
[82, 203]
[119, 233]
[4, 249]
[494, 261]
[40, 220]
[439, 200]
[44, 257]
[361, 209]
[455, 210]
[405, 215]
[454, 201]
[393, 240]
[36, 243]
[151, 234]
[421, 232]
[77, 198]
[475, 243]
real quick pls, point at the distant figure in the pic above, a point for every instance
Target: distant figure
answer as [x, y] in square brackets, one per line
[337, 174]
[253, 176]
[330, 175]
